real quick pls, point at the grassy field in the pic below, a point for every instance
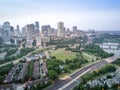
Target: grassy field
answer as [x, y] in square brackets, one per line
[89, 57]
[62, 54]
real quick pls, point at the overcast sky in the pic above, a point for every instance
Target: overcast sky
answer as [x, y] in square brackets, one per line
[96, 14]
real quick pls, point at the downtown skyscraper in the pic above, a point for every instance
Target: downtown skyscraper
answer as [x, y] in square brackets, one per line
[32, 35]
[6, 33]
[60, 29]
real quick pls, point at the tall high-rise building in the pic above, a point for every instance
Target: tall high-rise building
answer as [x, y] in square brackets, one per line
[75, 29]
[0, 31]
[17, 31]
[60, 29]
[24, 32]
[11, 31]
[0, 35]
[51, 31]
[30, 31]
[6, 33]
[67, 31]
[18, 28]
[30, 35]
[37, 30]
[45, 30]
[37, 34]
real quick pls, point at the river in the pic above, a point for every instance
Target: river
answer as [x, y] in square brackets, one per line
[113, 49]
[116, 52]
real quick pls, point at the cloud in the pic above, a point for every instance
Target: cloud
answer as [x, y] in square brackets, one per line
[85, 14]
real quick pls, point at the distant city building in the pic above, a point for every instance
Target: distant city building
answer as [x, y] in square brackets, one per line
[51, 31]
[34, 38]
[0, 31]
[37, 34]
[68, 31]
[17, 35]
[17, 31]
[6, 33]
[45, 30]
[91, 31]
[24, 32]
[45, 41]
[80, 33]
[30, 35]
[75, 29]
[64, 31]
[37, 27]
[53, 37]
[11, 31]
[60, 29]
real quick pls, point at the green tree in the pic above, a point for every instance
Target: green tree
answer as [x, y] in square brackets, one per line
[38, 86]
[52, 74]
[33, 88]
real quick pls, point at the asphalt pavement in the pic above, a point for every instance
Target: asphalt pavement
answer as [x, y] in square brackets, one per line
[74, 79]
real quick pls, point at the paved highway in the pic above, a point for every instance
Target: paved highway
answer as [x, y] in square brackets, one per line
[74, 79]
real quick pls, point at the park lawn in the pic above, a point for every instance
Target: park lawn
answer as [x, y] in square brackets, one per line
[62, 54]
[89, 57]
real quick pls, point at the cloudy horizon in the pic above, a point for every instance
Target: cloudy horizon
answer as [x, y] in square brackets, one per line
[85, 14]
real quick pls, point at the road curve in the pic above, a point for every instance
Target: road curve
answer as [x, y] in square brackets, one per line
[74, 79]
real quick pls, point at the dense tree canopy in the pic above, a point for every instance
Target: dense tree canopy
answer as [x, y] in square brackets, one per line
[4, 70]
[97, 51]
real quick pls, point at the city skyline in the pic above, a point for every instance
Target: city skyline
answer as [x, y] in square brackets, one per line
[94, 14]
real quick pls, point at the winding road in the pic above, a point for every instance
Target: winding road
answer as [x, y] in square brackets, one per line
[72, 80]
